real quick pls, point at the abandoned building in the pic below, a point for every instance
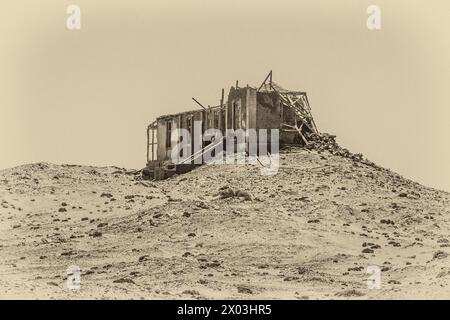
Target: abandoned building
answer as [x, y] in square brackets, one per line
[268, 107]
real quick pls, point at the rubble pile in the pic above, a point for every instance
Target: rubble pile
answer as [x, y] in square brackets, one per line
[327, 142]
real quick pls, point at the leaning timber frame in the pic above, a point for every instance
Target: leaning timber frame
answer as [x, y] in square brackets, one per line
[296, 101]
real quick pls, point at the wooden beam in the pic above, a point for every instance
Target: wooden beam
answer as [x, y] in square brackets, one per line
[153, 144]
[198, 103]
[222, 98]
[267, 77]
[148, 143]
[298, 130]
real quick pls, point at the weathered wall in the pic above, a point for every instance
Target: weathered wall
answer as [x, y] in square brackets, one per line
[251, 98]
[161, 136]
[241, 108]
[178, 121]
[268, 114]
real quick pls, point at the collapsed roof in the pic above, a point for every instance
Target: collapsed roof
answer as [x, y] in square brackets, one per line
[297, 101]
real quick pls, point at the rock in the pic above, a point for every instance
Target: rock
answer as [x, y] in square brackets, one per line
[244, 195]
[147, 184]
[387, 221]
[360, 268]
[395, 244]
[367, 250]
[440, 255]
[443, 274]
[290, 278]
[227, 192]
[213, 264]
[62, 210]
[144, 258]
[350, 293]
[106, 195]
[191, 292]
[202, 205]
[302, 270]
[124, 280]
[51, 283]
[96, 234]
[244, 290]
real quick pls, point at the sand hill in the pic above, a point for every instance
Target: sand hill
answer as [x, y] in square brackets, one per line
[223, 232]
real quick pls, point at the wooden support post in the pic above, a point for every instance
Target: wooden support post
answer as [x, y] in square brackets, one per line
[153, 144]
[148, 143]
[298, 130]
[221, 125]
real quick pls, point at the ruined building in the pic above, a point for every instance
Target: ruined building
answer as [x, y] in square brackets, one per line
[267, 107]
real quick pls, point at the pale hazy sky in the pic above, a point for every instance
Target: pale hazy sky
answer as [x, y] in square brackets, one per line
[86, 97]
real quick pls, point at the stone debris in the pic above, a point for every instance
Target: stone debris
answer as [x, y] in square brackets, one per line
[326, 142]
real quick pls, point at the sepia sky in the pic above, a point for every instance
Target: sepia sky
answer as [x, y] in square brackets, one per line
[86, 97]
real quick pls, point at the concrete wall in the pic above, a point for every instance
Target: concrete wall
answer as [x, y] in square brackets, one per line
[251, 98]
[268, 114]
[161, 136]
[241, 108]
[271, 114]
[245, 109]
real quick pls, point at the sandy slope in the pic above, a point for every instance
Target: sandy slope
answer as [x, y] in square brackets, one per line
[223, 232]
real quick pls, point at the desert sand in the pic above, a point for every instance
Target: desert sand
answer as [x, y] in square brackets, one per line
[223, 232]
